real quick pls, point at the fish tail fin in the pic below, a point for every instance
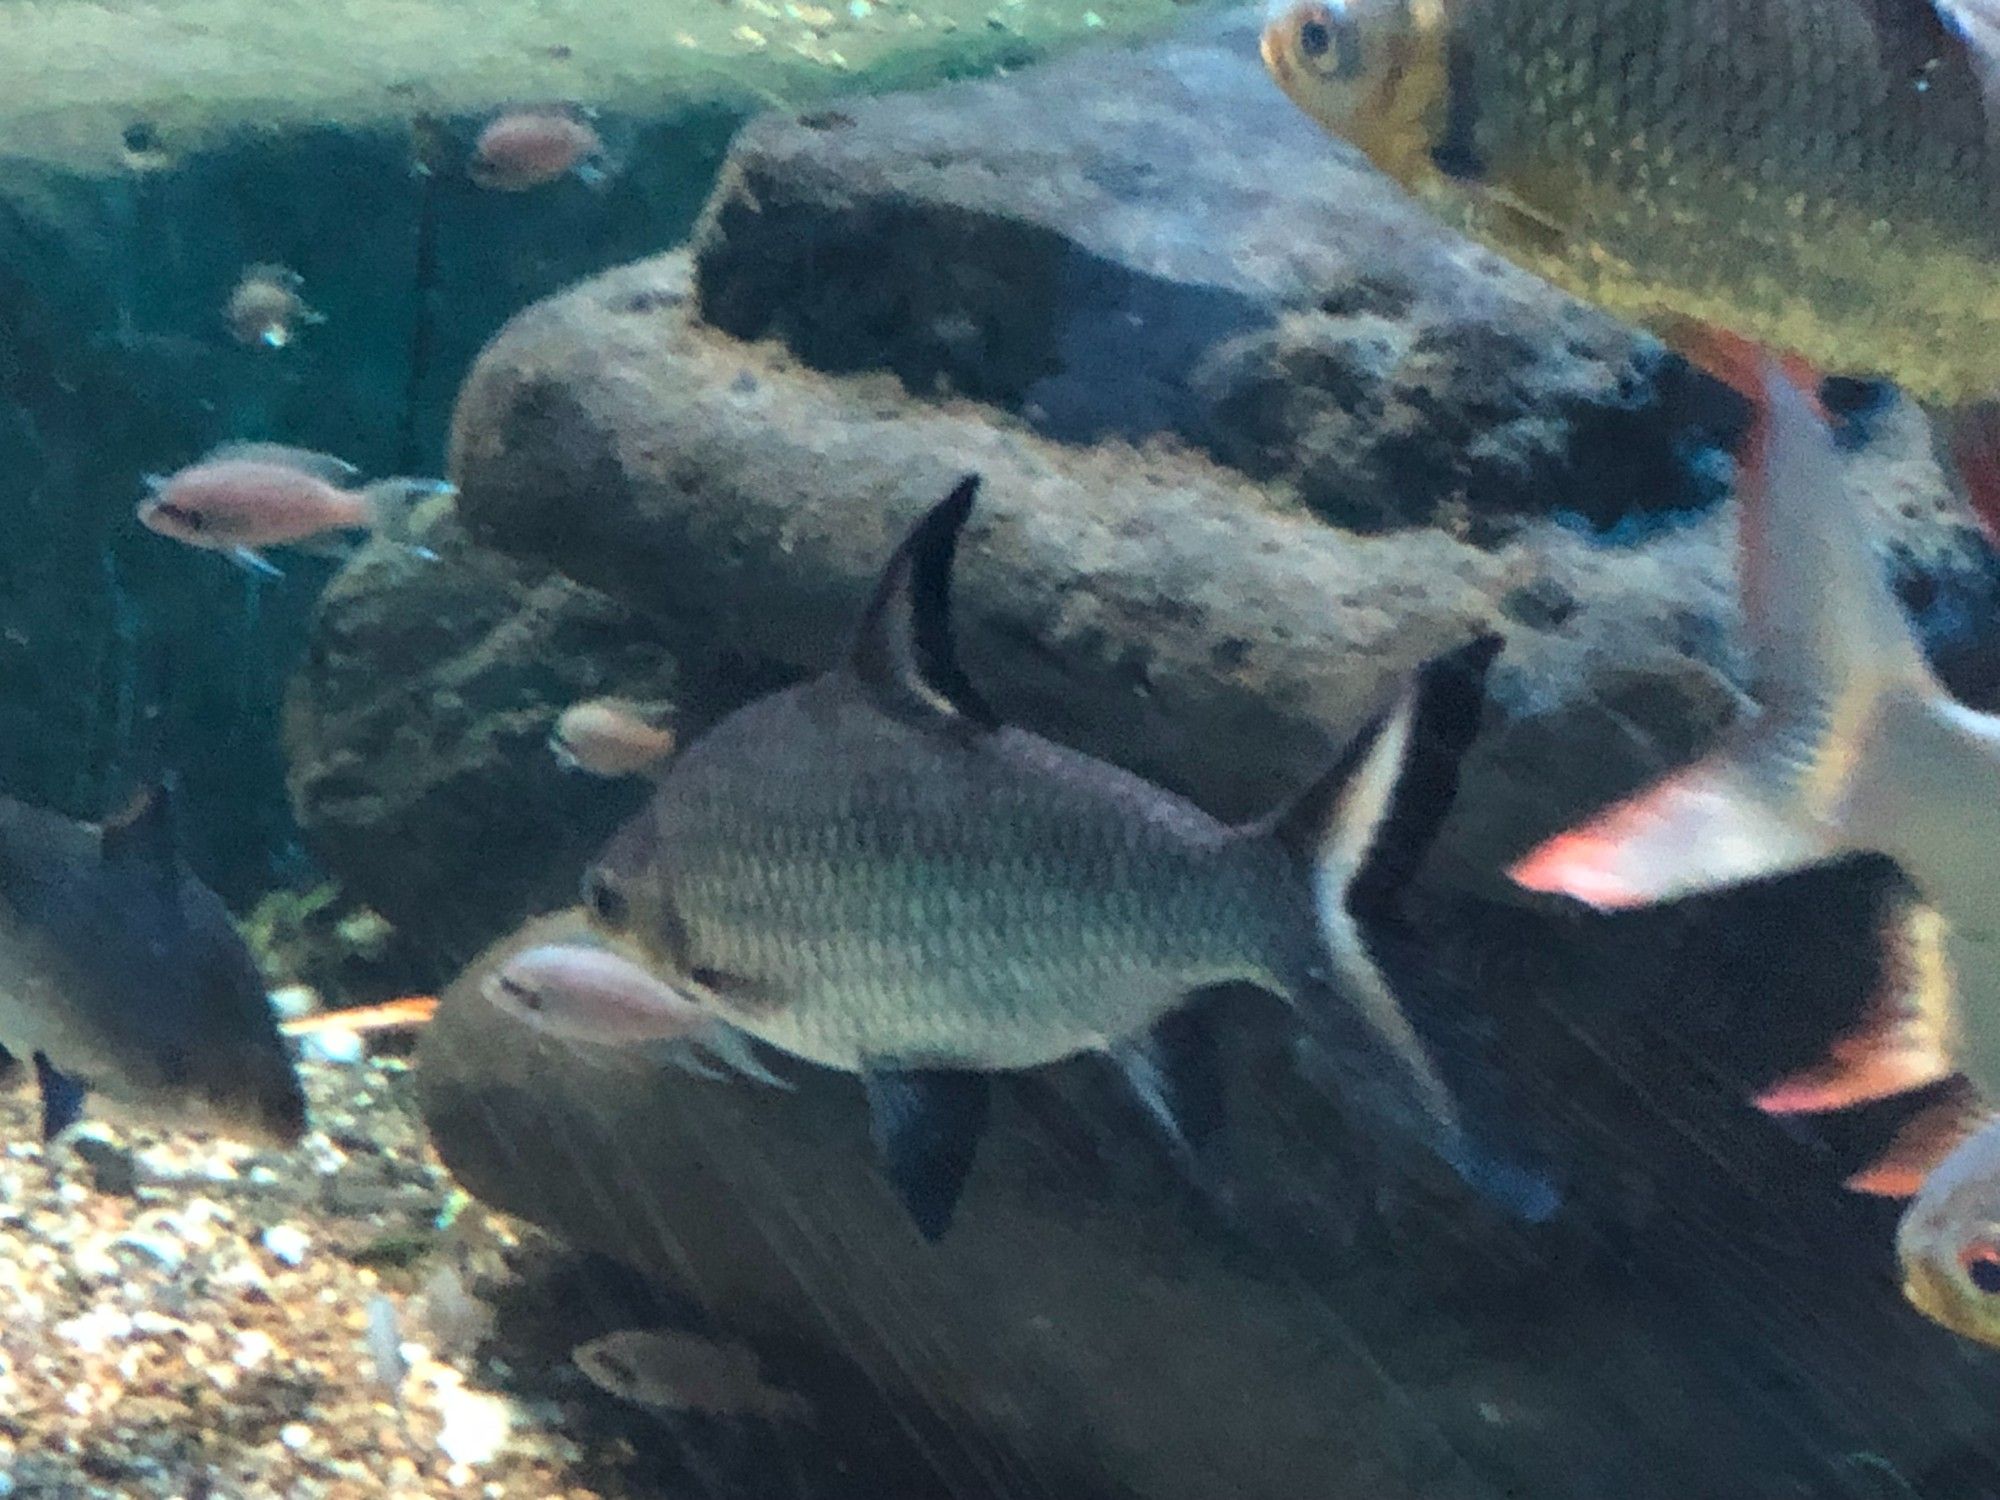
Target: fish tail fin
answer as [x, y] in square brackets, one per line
[1830, 646]
[1903, 1041]
[390, 501]
[1361, 832]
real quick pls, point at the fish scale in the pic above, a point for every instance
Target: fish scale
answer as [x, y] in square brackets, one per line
[1820, 175]
[871, 872]
[904, 900]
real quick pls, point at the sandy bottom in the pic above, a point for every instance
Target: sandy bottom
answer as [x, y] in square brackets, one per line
[185, 1317]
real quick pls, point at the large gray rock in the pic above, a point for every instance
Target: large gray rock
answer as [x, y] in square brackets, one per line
[1133, 245]
[1711, 1315]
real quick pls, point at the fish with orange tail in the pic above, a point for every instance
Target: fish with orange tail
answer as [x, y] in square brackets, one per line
[1857, 747]
[1822, 176]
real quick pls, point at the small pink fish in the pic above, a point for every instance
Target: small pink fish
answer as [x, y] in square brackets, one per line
[266, 309]
[610, 737]
[529, 148]
[246, 496]
[578, 993]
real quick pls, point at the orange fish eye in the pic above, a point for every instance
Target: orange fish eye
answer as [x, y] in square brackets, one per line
[1980, 1260]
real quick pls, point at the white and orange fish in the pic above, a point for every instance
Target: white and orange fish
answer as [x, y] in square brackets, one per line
[611, 737]
[1857, 747]
[243, 497]
[583, 993]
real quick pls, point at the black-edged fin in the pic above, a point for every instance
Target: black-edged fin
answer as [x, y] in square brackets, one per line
[1903, 1040]
[143, 832]
[1175, 1072]
[1360, 833]
[903, 655]
[62, 1098]
[1375, 815]
[927, 1125]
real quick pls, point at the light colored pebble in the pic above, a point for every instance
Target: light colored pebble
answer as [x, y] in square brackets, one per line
[287, 1242]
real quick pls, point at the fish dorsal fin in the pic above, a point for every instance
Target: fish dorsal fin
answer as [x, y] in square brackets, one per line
[142, 831]
[335, 471]
[903, 655]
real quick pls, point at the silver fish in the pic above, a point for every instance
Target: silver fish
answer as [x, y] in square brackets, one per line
[121, 972]
[1857, 747]
[872, 872]
[664, 1369]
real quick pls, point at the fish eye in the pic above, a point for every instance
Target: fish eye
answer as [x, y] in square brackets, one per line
[604, 900]
[1315, 39]
[1981, 1262]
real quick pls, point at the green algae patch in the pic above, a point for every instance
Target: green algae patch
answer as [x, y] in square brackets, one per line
[99, 86]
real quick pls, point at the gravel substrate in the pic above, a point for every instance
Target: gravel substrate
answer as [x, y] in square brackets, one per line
[185, 1317]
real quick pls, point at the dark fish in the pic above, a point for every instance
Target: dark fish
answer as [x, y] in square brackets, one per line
[121, 972]
[872, 872]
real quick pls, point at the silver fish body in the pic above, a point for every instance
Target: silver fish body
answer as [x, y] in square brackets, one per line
[870, 871]
[997, 903]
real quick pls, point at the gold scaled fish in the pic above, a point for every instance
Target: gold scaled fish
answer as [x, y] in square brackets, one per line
[872, 872]
[1821, 176]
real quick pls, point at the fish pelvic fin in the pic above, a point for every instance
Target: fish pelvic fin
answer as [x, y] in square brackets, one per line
[255, 563]
[927, 1124]
[62, 1098]
[903, 655]
[1361, 832]
[1903, 1042]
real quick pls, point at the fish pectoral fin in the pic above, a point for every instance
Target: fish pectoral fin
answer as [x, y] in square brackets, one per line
[737, 992]
[1934, 1132]
[738, 1053]
[143, 832]
[903, 656]
[1174, 1071]
[62, 1098]
[254, 562]
[1903, 1041]
[927, 1124]
[1722, 821]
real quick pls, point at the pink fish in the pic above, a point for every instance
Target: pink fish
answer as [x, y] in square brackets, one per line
[611, 737]
[1857, 747]
[243, 497]
[575, 992]
[528, 148]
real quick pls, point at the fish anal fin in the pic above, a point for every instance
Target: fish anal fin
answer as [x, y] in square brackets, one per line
[1903, 1041]
[903, 655]
[62, 1098]
[1933, 1133]
[1174, 1070]
[1719, 822]
[927, 1125]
